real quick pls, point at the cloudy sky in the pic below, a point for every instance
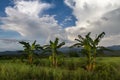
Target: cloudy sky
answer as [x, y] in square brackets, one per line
[43, 20]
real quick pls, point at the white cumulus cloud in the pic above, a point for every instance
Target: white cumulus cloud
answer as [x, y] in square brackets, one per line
[96, 16]
[26, 18]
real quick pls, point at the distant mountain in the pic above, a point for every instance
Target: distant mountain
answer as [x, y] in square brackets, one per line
[11, 53]
[67, 49]
[19, 52]
[114, 47]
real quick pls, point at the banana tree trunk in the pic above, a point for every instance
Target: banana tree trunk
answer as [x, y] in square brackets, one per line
[30, 59]
[94, 60]
[54, 60]
[89, 64]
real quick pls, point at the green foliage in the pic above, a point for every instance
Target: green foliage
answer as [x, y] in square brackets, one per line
[107, 68]
[64, 68]
[52, 47]
[30, 48]
[73, 54]
[90, 47]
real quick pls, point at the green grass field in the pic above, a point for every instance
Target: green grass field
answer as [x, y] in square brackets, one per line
[107, 68]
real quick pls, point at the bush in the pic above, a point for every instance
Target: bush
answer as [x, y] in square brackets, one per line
[73, 54]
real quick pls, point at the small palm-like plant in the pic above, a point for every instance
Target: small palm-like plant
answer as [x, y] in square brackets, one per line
[53, 48]
[29, 49]
[90, 47]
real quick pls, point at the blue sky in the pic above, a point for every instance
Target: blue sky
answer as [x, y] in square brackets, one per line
[3, 5]
[43, 20]
[60, 10]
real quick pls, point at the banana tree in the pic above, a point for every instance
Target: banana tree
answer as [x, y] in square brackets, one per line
[95, 47]
[53, 48]
[29, 49]
[90, 47]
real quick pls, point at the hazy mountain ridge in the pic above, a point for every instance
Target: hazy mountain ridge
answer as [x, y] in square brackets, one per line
[115, 48]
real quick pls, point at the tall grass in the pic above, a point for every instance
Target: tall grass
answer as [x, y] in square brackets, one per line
[68, 69]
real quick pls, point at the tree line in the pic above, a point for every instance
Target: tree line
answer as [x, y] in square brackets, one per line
[90, 47]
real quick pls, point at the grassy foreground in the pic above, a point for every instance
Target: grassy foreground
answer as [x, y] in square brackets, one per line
[108, 68]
